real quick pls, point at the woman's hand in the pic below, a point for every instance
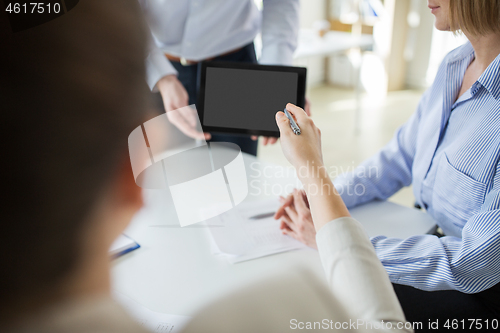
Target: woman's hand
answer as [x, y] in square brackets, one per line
[302, 150]
[270, 140]
[296, 219]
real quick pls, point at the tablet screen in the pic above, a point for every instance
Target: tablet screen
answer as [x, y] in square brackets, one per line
[247, 99]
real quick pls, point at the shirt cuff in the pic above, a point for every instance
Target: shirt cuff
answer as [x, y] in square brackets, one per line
[276, 54]
[157, 67]
[341, 234]
[355, 274]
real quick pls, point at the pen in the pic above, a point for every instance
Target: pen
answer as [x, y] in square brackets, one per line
[262, 216]
[293, 124]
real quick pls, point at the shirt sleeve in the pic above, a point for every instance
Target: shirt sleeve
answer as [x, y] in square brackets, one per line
[280, 27]
[469, 264]
[383, 174]
[356, 276]
[157, 66]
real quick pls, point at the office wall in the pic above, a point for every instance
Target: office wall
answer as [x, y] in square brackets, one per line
[418, 47]
[311, 11]
[426, 46]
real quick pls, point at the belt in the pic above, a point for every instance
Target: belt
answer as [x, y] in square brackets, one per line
[186, 62]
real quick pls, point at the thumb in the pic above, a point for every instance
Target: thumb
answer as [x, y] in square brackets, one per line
[283, 122]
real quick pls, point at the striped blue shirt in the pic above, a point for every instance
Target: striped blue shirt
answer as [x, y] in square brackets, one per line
[449, 151]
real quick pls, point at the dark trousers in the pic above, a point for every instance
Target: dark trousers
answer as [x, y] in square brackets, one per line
[189, 77]
[437, 308]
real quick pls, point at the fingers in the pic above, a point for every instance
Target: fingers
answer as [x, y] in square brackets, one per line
[290, 233]
[292, 213]
[299, 203]
[190, 131]
[284, 203]
[283, 124]
[287, 223]
[287, 228]
[191, 116]
[272, 141]
[297, 112]
[265, 140]
[306, 200]
[283, 225]
[185, 127]
[269, 140]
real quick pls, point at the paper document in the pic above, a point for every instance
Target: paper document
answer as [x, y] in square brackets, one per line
[153, 321]
[243, 238]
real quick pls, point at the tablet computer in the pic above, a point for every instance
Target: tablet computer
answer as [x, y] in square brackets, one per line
[243, 98]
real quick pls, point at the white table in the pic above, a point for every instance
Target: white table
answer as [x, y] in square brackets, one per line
[174, 271]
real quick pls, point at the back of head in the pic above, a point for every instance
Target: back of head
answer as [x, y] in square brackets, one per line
[72, 90]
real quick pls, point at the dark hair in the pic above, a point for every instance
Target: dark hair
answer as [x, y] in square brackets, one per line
[71, 92]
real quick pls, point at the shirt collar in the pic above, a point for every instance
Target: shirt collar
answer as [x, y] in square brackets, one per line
[490, 79]
[461, 53]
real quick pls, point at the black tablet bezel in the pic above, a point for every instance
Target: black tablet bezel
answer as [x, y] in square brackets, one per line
[301, 93]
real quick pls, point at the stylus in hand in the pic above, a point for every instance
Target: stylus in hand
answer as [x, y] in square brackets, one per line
[293, 124]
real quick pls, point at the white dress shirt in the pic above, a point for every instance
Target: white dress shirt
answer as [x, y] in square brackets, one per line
[361, 298]
[202, 29]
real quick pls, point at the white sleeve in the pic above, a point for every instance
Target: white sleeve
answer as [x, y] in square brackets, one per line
[280, 27]
[157, 66]
[356, 276]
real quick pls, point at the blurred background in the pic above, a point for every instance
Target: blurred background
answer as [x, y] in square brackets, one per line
[368, 62]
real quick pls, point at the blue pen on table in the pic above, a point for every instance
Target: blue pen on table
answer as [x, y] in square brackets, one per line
[293, 124]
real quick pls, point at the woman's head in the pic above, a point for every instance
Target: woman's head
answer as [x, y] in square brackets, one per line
[473, 17]
[71, 91]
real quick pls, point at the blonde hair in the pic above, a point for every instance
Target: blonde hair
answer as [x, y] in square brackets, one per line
[476, 17]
